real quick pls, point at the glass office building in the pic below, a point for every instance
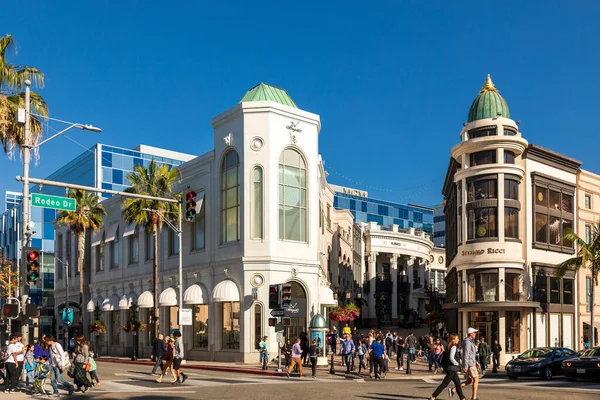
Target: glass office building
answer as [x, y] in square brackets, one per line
[366, 209]
[100, 166]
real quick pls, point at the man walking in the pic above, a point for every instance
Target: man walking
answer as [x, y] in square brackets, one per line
[348, 349]
[158, 347]
[411, 345]
[178, 358]
[377, 348]
[484, 352]
[496, 350]
[296, 358]
[469, 363]
[58, 362]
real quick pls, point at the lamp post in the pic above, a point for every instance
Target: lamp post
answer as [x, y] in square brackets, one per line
[26, 148]
[134, 308]
[96, 318]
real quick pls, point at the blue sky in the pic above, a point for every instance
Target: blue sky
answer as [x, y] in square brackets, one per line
[391, 80]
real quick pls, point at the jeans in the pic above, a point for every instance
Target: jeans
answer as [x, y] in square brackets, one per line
[313, 362]
[29, 377]
[400, 357]
[379, 366]
[157, 364]
[348, 361]
[411, 353]
[56, 376]
[437, 359]
[430, 361]
[496, 361]
[483, 361]
[361, 362]
[12, 376]
[264, 358]
[450, 376]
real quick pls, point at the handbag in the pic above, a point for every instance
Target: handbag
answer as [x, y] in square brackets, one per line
[88, 366]
[71, 371]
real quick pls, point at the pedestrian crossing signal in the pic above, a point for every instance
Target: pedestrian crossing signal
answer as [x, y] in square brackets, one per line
[286, 295]
[272, 321]
[10, 311]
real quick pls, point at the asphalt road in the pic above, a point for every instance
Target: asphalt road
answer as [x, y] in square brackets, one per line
[125, 381]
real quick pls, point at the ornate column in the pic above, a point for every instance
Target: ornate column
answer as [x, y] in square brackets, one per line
[394, 271]
[421, 272]
[372, 287]
[411, 271]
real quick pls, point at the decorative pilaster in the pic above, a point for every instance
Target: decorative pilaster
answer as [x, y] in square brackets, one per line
[394, 270]
[372, 287]
[410, 266]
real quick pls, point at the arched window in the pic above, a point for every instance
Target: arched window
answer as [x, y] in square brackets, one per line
[230, 197]
[292, 196]
[257, 203]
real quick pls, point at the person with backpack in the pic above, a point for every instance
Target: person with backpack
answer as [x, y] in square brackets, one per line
[389, 343]
[451, 364]
[59, 361]
[41, 373]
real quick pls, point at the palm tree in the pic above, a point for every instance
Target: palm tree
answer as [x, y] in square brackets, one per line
[12, 97]
[156, 181]
[88, 215]
[588, 256]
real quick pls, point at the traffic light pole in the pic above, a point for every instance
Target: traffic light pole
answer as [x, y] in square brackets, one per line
[25, 238]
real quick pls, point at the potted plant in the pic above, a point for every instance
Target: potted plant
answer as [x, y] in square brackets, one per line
[134, 326]
[97, 326]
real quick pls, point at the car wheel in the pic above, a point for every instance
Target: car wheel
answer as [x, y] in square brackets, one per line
[547, 373]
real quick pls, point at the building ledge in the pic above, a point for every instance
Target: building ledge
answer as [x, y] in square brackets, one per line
[491, 305]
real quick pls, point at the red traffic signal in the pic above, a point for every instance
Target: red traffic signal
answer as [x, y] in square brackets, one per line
[272, 321]
[286, 321]
[11, 311]
[286, 295]
[31, 256]
[190, 195]
[190, 205]
[274, 300]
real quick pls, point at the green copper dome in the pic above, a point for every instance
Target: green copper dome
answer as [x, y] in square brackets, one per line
[489, 103]
[264, 92]
[318, 322]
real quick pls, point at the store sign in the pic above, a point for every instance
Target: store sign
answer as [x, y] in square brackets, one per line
[185, 316]
[354, 192]
[296, 309]
[479, 252]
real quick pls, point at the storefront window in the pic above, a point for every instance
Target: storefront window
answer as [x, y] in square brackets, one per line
[200, 326]
[554, 291]
[230, 315]
[512, 323]
[512, 286]
[483, 287]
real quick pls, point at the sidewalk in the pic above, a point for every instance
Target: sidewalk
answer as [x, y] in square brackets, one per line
[419, 369]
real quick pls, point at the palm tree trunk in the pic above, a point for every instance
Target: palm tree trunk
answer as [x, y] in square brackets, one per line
[80, 244]
[592, 295]
[155, 272]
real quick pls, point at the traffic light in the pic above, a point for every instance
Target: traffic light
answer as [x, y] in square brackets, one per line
[11, 311]
[286, 321]
[190, 205]
[272, 321]
[31, 310]
[286, 295]
[274, 296]
[31, 257]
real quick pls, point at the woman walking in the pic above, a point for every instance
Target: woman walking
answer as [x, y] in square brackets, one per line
[438, 349]
[452, 370]
[82, 354]
[361, 351]
[168, 358]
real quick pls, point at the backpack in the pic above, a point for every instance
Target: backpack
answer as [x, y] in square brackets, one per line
[4, 355]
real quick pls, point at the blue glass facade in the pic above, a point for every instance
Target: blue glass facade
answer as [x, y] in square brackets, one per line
[383, 212]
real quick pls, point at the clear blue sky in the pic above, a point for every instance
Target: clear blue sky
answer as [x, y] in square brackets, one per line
[391, 80]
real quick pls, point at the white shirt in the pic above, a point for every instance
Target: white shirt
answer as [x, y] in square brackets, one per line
[20, 357]
[12, 348]
[56, 355]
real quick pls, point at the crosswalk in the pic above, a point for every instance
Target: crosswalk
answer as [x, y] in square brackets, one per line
[536, 384]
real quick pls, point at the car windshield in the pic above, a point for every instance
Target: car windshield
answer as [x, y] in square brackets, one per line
[535, 353]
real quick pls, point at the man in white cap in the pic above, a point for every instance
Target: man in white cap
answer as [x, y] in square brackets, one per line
[469, 363]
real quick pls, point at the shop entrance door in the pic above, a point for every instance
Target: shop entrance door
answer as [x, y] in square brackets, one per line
[484, 330]
[487, 323]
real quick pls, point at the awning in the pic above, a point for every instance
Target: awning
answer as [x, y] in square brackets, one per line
[111, 232]
[326, 296]
[111, 303]
[225, 291]
[168, 297]
[130, 230]
[146, 300]
[195, 295]
[91, 305]
[126, 301]
[97, 237]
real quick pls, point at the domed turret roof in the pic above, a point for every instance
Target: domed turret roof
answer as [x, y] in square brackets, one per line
[489, 103]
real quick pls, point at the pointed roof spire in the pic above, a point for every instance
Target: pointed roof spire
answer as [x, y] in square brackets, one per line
[488, 86]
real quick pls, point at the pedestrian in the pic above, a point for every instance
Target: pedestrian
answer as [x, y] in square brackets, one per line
[72, 345]
[377, 350]
[82, 354]
[346, 330]
[158, 348]
[11, 381]
[356, 338]
[167, 357]
[429, 345]
[361, 350]
[400, 353]
[42, 371]
[468, 362]
[93, 375]
[314, 352]
[30, 365]
[296, 358]
[304, 345]
[389, 343]
[484, 352]
[347, 348]
[264, 352]
[411, 344]
[451, 364]
[59, 361]
[333, 339]
[438, 350]
[496, 350]
[178, 355]
[286, 350]
[41, 348]
[20, 355]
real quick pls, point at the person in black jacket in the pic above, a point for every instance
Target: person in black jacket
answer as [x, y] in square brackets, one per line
[313, 353]
[496, 350]
[158, 347]
[451, 364]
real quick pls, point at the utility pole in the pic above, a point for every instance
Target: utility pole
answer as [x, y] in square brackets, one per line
[25, 242]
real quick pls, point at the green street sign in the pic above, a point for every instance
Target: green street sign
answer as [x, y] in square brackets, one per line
[55, 202]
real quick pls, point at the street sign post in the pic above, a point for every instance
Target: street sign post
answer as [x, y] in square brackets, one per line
[55, 202]
[277, 312]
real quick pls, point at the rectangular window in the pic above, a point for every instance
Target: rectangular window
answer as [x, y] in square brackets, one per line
[134, 247]
[553, 215]
[114, 251]
[554, 291]
[509, 132]
[199, 228]
[482, 132]
[149, 236]
[115, 327]
[483, 157]
[511, 222]
[513, 324]
[200, 326]
[588, 233]
[588, 293]
[509, 157]
[257, 323]
[567, 285]
[512, 287]
[540, 291]
[173, 242]
[230, 316]
[588, 201]
[257, 203]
